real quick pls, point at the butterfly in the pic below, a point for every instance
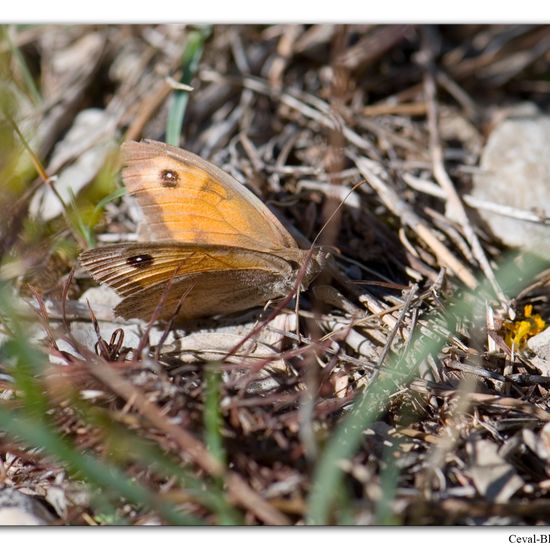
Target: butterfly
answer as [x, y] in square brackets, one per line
[212, 247]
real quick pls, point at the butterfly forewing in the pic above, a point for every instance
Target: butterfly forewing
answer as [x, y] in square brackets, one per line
[188, 199]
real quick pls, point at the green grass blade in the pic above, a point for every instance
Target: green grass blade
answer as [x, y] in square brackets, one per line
[190, 62]
[19, 58]
[213, 423]
[212, 416]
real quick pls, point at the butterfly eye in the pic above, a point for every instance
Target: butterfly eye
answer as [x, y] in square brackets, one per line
[140, 261]
[169, 178]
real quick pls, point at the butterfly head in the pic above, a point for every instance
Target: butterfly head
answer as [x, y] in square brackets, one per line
[316, 259]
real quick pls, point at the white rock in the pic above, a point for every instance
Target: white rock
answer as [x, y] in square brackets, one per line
[101, 299]
[540, 344]
[89, 141]
[516, 172]
[493, 477]
[102, 296]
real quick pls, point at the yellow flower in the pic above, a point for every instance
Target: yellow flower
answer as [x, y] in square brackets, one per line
[516, 333]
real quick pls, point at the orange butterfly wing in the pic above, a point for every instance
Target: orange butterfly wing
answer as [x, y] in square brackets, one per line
[185, 198]
[213, 279]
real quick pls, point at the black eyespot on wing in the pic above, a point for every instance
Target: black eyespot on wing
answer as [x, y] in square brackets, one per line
[140, 261]
[169, 178]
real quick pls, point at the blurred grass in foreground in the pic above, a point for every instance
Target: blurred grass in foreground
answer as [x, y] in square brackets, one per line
[26, 416]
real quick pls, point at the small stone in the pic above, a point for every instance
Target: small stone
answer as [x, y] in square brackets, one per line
[539, 345]
[85, 334]
[16, 508]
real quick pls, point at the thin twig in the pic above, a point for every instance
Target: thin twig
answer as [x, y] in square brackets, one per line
[442, 177]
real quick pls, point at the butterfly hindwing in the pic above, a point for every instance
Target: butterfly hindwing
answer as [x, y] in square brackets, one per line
[206, 294]
[211, 275]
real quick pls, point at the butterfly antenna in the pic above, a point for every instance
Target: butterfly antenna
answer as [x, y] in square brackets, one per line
[330, 218]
